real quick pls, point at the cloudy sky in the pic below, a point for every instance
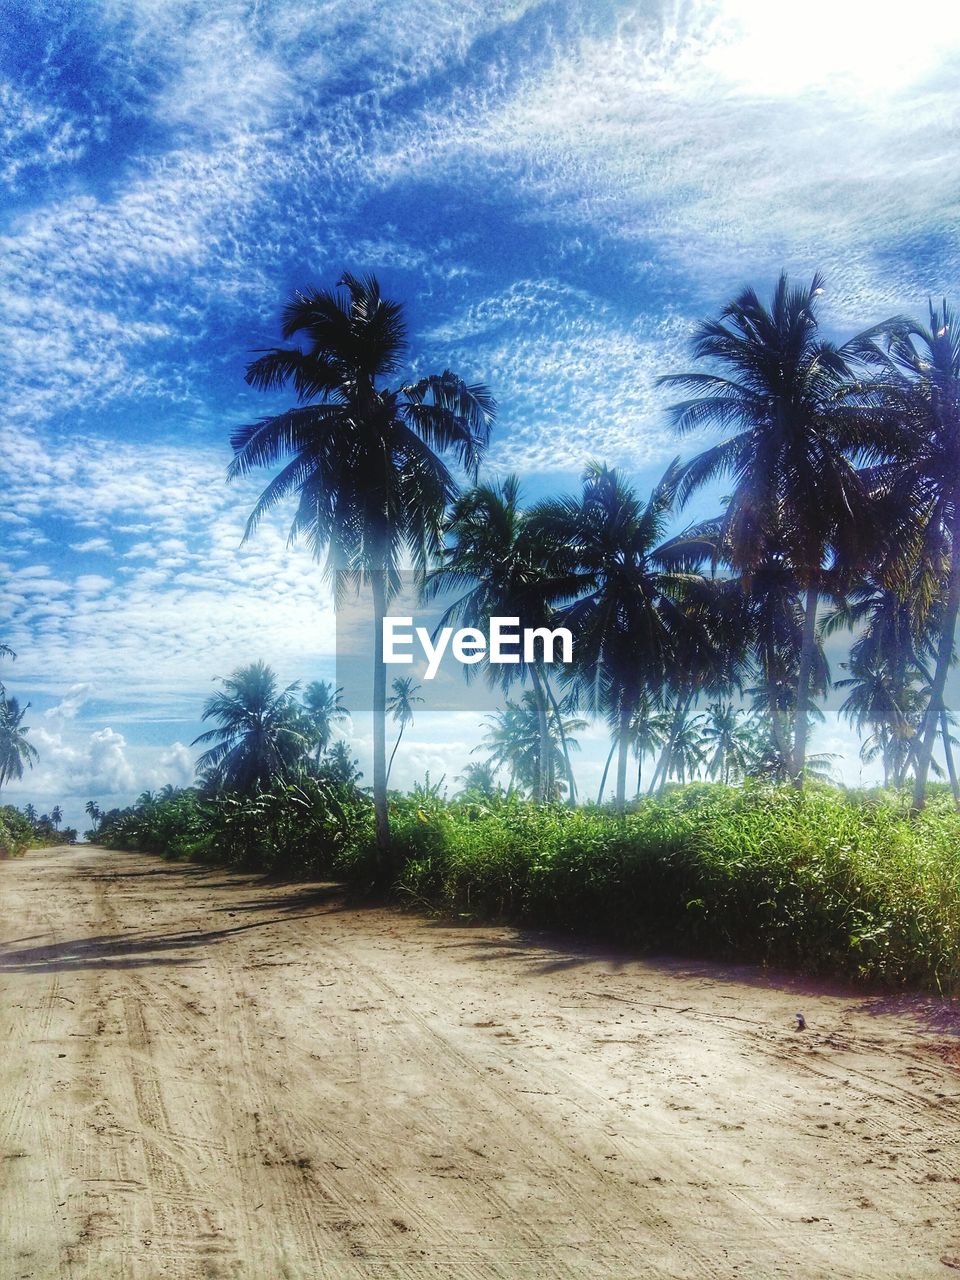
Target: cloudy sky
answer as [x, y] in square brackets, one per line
[557, 191]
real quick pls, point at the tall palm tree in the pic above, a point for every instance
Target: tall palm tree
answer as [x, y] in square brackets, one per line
[366, 460]
[400, 706]
[260, 732]
[499, 567]
[919, 380]
[15, 750]
[627, 615]
[324, 709]
[784, 393]
[56, 817]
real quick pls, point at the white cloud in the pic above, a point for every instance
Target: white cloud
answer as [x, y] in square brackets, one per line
[176, 766]
[70, 704]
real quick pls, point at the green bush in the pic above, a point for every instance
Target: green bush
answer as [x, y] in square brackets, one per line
[823, 880]
[16, 832]
[818, 880]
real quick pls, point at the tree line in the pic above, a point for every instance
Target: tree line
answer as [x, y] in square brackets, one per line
[841, 465]
[843, 510]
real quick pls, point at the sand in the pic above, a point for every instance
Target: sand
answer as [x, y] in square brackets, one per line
[202, 1075]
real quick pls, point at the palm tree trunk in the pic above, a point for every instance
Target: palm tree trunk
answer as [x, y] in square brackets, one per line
[662, 775]
[624, 751]
[571, 784]
[948, 754]
[606, 769]
[543, 779]
[394, 751]
[807, 651]
[944, 658]
[379, 583]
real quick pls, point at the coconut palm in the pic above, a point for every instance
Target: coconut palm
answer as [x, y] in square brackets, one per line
[684, 753]
[627, 615]
[727, 741]
[323, 709]
[498, 567]
[478, 778]
[784, 393]
[15, 750]
[260, 732]
[340, 766]
[400, 706]
[366, 460]
[513, 741]
[919, 381]
[56, 817]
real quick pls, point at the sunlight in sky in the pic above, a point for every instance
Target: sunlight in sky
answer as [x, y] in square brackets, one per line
[847, 46]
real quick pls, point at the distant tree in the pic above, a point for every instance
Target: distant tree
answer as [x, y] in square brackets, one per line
[94, 813]
[513, 741]
[339, 766]
[400, 706]
[497, 565]
[324, 710]
[478, 779]
[727, 742]
[260, 732]
[627, 614]
[30, 813]
[56, 817]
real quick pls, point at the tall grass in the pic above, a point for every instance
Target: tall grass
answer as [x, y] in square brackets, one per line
[822, 881]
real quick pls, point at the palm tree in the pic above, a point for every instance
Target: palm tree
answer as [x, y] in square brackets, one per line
[685, 752]
[56, 817]
[365, 460]
[15, 750]
[784, 392]
[478, 779]
[400, 706]
[627, 615]
[340, 766]
[513, 741]
[323, 709]
[919, 381]
[94, 813]
[500, 567]
[260, 732]
[727, 735]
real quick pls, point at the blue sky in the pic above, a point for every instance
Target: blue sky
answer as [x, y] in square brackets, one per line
[557, 191]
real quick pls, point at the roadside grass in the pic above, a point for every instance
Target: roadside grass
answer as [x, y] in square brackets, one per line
[16, 833]
[824, 881]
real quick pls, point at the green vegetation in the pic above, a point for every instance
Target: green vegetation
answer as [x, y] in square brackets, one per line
[26, 829]
[822, 880]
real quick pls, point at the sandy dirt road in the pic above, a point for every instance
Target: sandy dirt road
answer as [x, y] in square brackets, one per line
[204, 1076]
